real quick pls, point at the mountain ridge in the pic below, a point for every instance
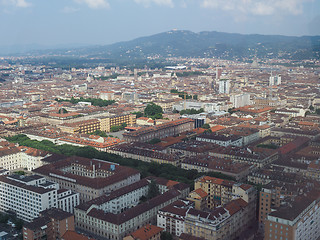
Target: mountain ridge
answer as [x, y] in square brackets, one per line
[185, 43]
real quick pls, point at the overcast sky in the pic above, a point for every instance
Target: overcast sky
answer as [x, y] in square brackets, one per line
[53, 22]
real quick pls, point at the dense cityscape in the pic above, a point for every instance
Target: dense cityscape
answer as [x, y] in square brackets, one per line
[202, 149]
[160, 120]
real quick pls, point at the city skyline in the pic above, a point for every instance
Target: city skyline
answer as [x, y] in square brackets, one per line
[89, 22]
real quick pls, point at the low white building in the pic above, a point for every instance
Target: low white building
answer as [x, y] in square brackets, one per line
[220, 139]
[27, 196]
[11, 158]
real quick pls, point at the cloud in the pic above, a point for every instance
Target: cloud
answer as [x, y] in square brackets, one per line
[16, 3]
[147, 3]
[68, 9]
[94, 4]
[257, 7]
[183, 4]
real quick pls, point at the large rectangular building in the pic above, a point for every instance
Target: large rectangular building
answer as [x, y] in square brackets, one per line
[116, 120]
[91, 178]
[27, 196]
[115, 215]
[160, 131]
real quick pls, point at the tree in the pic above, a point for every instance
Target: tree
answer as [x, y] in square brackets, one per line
[206, 126]
[166, 236]
[63, 111]
[153, 190]
[138, 114]
[118, 127]
[154, 111]
[191, 111]
[307, 113]
[99, 133]
[154, 141]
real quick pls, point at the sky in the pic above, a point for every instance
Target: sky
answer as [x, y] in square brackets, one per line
[88, 22]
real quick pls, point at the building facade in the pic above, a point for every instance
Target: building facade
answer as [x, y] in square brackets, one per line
[28, 196]
[91, 178]
[52, 224]
[160, 131]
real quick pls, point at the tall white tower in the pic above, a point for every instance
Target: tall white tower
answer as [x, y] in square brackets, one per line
[224, 86]
[274, 80]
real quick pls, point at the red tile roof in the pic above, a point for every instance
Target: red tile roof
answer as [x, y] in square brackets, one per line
[146, 232]
[71, 235]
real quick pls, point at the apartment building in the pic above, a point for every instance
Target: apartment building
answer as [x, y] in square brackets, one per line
[27, 196]
[107, 122]
[223, 223]
[91, 178]
[85, 126]
[280, 132]
[220, 139]
[298, 219]
[172, 217]
[13, 157]
[117, 214]
[10, 158]
[250, 155]
[116, 226]
[51, 224]
[278, 193]
[133, 150]
[238, 171]
[199, 197]
[159, 131]
[192, 148]
[220, 191]
[32, 158]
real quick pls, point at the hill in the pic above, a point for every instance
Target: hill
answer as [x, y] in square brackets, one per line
[178, 43]
[209, 44]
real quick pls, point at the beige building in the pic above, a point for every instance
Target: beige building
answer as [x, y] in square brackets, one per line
[87, 126]
[107, 122]
[220, 191]
[222, 223]
[199, 197]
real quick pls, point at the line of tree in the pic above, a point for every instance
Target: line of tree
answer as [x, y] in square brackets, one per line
[184, 95]
[189, 74]
[191, 111]
[94, 101]
[99, 133]
[113, 76]
[167, 171]
[118, 128]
